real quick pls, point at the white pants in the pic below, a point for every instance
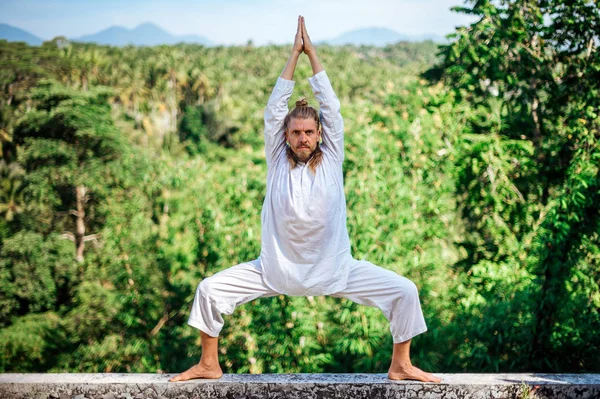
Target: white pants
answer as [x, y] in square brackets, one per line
[368, 285]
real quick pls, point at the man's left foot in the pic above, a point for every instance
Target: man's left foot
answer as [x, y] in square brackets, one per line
[410, 372]
[199, 371]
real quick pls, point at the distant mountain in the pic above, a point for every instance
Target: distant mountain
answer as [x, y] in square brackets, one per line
[13, 34]
[378, 37]
[149, 34]
[146, 34]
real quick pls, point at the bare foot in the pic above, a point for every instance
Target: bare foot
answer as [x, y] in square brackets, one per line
[199, 371]
[410, 372]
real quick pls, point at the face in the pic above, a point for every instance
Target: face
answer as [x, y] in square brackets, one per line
[303, 136]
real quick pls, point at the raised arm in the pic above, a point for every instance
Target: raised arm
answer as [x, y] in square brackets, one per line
[331, 116]
[277, 106]
[290, 67]
[310, 50]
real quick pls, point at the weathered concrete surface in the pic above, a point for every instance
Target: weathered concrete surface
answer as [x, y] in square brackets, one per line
[300, 386]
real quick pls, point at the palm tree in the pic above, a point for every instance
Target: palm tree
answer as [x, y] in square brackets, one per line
[133, 91]
[11, 195]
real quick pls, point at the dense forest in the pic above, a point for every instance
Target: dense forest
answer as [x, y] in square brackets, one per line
[473, 168]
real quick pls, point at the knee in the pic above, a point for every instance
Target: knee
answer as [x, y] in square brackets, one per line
[407, 290]
[206, 287]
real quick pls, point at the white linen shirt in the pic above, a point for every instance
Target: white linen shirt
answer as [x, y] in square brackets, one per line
[305, 248]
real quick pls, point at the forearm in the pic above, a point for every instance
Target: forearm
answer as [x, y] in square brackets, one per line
[290, 67]
[315, 63]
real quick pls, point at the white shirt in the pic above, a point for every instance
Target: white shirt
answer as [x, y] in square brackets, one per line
[305, 249]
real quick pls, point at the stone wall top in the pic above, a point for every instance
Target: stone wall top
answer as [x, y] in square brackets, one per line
[301, 386]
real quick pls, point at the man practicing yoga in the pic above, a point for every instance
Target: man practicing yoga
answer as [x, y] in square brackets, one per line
[305, 248]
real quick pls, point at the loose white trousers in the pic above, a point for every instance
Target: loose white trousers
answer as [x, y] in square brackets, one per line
[368, 284]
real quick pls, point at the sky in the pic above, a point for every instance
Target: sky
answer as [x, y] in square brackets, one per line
[233, 21]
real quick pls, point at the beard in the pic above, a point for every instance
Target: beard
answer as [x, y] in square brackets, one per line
[314, 159]
[303, 153]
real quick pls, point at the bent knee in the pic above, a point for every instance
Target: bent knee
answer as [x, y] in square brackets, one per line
[407, 289]
[206, 288]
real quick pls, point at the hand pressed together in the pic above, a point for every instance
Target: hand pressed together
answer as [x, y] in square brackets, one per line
[308, 47]
[302, 43]
[298, 44]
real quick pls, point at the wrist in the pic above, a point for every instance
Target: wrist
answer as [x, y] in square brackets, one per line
[311, 53]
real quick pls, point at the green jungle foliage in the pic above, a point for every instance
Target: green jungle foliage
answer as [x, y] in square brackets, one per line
[130, 174]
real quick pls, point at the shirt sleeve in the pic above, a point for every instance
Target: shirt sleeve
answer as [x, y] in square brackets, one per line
[331, 116]
[275, 112]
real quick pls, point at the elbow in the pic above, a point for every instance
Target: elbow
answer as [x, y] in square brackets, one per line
[270, 121]
[337, 110]
[335, 107]
[268, 116]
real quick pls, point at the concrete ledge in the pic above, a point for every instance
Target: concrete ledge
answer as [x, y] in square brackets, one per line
[300, 386]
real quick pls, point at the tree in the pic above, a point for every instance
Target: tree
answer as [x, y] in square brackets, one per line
[530, 174]
[11, 195]
[66, 143]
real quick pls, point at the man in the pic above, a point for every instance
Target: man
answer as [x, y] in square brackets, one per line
[305, 248]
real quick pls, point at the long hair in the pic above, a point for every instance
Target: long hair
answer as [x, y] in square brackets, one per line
[304, 111]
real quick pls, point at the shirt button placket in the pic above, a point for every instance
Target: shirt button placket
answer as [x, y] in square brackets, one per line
[305, 185]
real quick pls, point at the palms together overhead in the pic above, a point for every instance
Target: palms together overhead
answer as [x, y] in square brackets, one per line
[302, 42]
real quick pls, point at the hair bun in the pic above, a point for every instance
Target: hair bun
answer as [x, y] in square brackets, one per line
[301, 103]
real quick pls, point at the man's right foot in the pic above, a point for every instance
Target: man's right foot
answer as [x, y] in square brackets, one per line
[199, 371]
[410, 372]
